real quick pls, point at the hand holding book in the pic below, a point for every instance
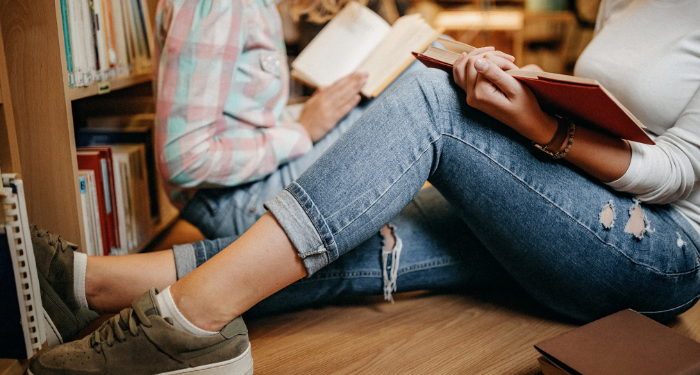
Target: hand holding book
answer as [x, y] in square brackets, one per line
[489, 89]
[329, 104]
[520, 98]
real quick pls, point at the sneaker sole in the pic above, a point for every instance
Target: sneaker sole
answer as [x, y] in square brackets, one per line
[53, 337]
[241, 365]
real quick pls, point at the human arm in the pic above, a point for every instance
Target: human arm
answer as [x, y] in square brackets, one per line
[329, 104]
[494, 92]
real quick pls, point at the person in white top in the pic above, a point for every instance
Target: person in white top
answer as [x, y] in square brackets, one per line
[603, 226]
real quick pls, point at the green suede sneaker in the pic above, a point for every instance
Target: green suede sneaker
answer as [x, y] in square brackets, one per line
[139, 341]
[54, 261]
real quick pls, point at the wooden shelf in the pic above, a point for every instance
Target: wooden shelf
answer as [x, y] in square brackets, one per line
[115, 83]
[165, 223]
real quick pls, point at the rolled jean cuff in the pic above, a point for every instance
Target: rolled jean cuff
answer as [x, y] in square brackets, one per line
[185, 259]
[300, 227]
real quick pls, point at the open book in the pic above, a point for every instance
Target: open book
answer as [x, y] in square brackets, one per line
[583, 99]
[357, 39]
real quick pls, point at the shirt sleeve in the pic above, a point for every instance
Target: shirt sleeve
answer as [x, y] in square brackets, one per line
[210, 131]
[670, 170]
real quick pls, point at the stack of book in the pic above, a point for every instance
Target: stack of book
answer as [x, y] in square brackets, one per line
[120, 191]
[105, 38]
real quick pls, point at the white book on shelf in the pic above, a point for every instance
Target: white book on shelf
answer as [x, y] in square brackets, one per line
[119, 37]
[89, 42]
[75, 14]
[93, 212]
[23, 262]
[109, 32]
[87, 213]
[100, 39]
[123, 214]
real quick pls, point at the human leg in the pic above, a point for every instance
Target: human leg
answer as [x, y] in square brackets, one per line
[539, 218]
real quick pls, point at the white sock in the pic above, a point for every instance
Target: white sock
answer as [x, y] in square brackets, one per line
[79, 267]
[169, 310]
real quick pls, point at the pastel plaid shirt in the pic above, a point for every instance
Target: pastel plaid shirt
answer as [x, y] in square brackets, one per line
[222, 84]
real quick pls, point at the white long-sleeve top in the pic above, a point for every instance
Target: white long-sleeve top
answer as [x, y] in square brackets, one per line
[647, 53]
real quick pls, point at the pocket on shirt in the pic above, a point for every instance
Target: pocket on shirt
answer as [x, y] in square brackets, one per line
[271, 62]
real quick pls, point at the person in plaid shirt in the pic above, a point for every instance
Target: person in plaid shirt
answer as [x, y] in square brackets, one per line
[225, 138]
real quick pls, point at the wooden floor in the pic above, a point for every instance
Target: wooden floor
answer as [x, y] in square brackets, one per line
[421, 333]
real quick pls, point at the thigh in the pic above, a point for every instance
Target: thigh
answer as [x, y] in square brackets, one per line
[540, 218]
[574, 244]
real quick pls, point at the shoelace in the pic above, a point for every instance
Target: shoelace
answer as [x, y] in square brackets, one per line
[52, 238]
[113, 329]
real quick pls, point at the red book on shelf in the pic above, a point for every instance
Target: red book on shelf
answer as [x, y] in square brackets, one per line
[585, 100]
[99, 159]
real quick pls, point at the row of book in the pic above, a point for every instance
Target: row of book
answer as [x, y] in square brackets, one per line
[105, 38]
[119, 187]
[114, 197]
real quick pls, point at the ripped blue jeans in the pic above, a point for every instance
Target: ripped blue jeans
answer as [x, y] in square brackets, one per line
[573, 244]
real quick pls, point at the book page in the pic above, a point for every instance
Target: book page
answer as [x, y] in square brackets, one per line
[341, 46]
[390, 57]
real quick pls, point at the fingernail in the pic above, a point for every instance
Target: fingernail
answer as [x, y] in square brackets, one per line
[481, 65]
[461, 57]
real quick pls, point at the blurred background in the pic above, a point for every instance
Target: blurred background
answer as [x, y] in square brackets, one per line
[549, 33]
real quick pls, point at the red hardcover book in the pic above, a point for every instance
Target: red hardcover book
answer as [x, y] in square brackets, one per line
[99, 159]
[585, 100]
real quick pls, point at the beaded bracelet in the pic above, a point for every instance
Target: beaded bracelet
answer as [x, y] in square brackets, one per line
[570, 129]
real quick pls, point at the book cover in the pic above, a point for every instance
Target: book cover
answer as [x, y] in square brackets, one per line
[624, 343]
[585, 100]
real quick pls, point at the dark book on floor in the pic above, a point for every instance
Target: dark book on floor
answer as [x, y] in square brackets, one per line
[624, 343]
[583, 99]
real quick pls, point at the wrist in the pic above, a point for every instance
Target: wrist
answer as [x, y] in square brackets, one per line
[547, 130]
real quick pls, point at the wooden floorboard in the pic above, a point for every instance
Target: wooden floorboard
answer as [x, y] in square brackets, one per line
[420, 333]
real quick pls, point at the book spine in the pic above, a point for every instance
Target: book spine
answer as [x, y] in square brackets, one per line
[22, 251]
[89, 42]
[100, 245]
[77, 45]
[66, 43]
[119, 37]
[100, 39]
[109, 30]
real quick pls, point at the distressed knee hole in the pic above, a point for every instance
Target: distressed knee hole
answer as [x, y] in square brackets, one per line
[607, 215]
[680, 243]
[391, 252]
[638, 224]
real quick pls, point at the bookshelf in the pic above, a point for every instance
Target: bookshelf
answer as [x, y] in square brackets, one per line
[39, 134]
[36, 121]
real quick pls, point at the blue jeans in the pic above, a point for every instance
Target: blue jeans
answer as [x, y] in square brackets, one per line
[540, 219]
